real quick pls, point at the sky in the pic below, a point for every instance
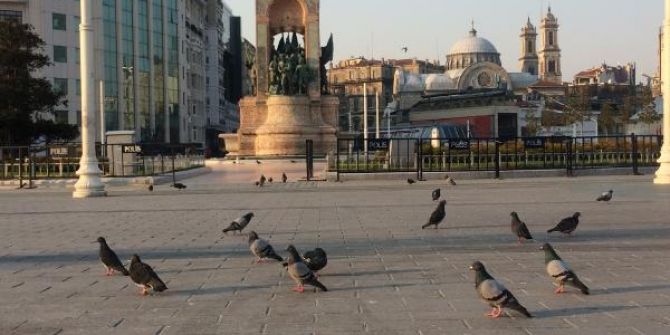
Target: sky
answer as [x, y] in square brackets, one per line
[592, 31]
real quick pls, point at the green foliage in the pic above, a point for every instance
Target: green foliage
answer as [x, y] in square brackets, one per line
[606, 119]
[22, 95]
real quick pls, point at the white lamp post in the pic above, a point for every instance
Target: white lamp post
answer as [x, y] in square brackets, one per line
[663, 173]
[89, 183]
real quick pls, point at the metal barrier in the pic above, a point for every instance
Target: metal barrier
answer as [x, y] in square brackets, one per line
[496, 154]
[119, 160]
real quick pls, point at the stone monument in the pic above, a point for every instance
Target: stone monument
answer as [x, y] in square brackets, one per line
[290, 104]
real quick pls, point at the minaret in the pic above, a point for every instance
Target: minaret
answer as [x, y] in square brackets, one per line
[529, 60]
[550, 55]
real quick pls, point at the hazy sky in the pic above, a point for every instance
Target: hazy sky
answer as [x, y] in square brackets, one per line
[592, 31]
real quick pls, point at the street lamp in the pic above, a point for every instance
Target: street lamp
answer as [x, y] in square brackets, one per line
[89, 183]
[663, 173]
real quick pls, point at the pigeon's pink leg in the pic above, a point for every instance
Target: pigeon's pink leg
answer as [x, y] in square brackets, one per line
[495, 313]
[299, 289]
[144, 291]
[560, 289]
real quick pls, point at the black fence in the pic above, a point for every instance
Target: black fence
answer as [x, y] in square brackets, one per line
[115, 160]
[496, 154]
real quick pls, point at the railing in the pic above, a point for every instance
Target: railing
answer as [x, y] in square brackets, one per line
[115, 160]
[496, 154]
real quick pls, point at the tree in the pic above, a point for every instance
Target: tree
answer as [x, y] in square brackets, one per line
[578, 109]
[606, 119]
[532, 123]
[23, 97]
[649, 116]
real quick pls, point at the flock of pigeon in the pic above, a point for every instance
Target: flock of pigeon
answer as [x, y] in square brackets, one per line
[303, 269]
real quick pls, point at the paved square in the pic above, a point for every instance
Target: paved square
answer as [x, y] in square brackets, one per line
[385, 274]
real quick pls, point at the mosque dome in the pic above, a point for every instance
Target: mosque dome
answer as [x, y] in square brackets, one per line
[472, 50]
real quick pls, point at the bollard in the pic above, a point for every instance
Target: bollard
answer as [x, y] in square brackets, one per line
[635, 159]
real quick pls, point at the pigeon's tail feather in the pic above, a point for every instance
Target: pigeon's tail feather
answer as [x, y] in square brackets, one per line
[580, 285]
[552, 230]
[517, 307]
[275, 257]
[124, 272]
[316, 283]
[158, 285]
[426, 225]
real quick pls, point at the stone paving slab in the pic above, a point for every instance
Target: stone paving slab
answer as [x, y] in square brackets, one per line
[385, 274]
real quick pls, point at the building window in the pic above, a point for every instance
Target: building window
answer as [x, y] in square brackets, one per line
[530, 47]
[551, 38]
[60, 54]
[61, 116]
[11, 15]
[551, 67]
[77, 55]
[78, 87]
[59, 21]
[75, 22]
[79, 118]
[60, 85]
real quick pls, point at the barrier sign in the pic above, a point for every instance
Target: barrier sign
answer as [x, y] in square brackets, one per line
[534, 143]
[459, 144]
[379, 145]
[132, 149]
[58, 151]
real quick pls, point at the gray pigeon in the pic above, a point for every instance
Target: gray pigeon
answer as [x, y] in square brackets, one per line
[411, 181]
[179, 186]
[109, 259]
[450, 180]
[261, 248]
[436, 194]
[145, 277]
[315, 259]
[300, 272]
[567, 225]
[519, 228]
[561, 271]
[437, 216]
[239, 224]
[494, 293]
[262, 181]
[284, 178]
[606, 197]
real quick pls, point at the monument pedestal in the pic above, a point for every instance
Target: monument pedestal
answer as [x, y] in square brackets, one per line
[280, 125]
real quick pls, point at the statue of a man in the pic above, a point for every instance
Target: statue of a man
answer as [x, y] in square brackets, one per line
[292, 74]
[272, 75]
[303, 77]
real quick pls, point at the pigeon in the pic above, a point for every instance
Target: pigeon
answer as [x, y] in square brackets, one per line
[261, 248]
[261, 182]
[109, 259]
[411, 181]
[437, 216]
[145, 277]
[293, 162]
[179, 186]
[606, 197]
[284, 178]
[436, 194]
[270, 180]
[561, 271]
[258, 162]
[404, 49]
[567, 225]
[300, 272]
[315, 260]
[240, 223]
[519, 228]
[151, 188]
[450, 180]
[494, 293]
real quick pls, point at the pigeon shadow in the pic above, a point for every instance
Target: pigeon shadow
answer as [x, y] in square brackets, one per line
[630, 289]
[368, 273]
[552, 313]
[216, 290]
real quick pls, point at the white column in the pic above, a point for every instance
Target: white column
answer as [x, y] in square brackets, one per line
[663, 173]
[89, 184]
[365, 117]
[377, 120]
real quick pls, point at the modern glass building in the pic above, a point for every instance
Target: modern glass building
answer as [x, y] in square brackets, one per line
[150, 54]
